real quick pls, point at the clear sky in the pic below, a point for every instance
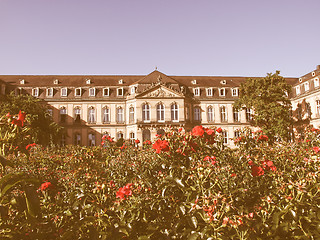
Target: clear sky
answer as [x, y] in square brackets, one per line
[180, 37]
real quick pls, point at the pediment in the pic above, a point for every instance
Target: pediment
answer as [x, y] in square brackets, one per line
[160, 92]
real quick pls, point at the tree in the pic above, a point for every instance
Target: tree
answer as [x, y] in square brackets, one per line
[44, 130]
[268, 97]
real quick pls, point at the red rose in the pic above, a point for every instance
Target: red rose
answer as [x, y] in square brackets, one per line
[161, 145]
[263, 138]
[125, 191]
[198, 131]
[20, 120]
[256, 171]
[219, 130]
[45, 186]
[210, 131]
[137, 141]
[316, 149]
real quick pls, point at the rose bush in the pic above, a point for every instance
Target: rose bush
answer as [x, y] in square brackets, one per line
[182, 186]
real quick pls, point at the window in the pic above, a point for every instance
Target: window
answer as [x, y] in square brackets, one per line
[187, 113]
[56, 81]
[131, 115]
[63, 114]
[146, 112]
[91, 115]
[174, 112]
[196, 91]
[77, 113]
[225, 137]
[316, 82]
[91, 139]
[306, 86]
[106, 92]
[92, 92]
[77, 139]
[297, 90]
[235, 92]
[194, 82]
[77, 92]
[236, 115]
[49, 92]
[120, 115]
[210, 114]
[318, 107]
[132, 138]
[64, 92]
[106, 115]
[133, 90]
[119, 135]
[248, 114]
[209, 92]
[237, 134]
[88, 81]
[197, 114]
[222, 92]
[22, 81]
[35, 92]
[223, 114]
[120, 91]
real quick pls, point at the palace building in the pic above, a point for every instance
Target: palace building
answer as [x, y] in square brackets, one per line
[142, 106]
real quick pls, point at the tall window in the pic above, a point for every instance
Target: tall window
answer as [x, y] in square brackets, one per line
[209, 92]
[131, 115]
[196, 91]
[77, 92]
[316, 82]
[63, 115]
[297, 90]
[223, 114]
[236, 115]
[119, 135]
[222, 92]
[225, 137]
[210, 114]
[106, 115]
[77, 139]
[35, 92]
[187, 113]
[64, 92]
[92, 92]
[160, 112]
[248, 114]
[120, 91]
[92, 115]
[306, 86]
[91, 139]
[49, 92]
[120, 118]
[318, 107]
[77, 113]
[234, 92]
[174, 112]
[197, 114]
[146, 112]
[132, 137]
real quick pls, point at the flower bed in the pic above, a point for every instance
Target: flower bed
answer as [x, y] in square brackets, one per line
[183, 186]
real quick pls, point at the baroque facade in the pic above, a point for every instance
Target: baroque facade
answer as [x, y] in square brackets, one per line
[140, 107]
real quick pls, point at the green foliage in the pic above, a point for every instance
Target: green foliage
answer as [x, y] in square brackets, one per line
[268, 98]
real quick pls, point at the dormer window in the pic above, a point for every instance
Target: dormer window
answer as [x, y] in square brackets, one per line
[64, 92]
[196, 91]
[35, 92]
[224, 82]
[120, 91]
[77, 92]
[49, 92]
[106, 92]
[316, 82]
[209, 92]
[235, 92]
[92, 92]
[194, 82]
[222, 92]
[298, 90]
[306, 86]
[133, 90]
[88, 81]
[22, 81]
[56, 81]
[120, 81]
[313, 74]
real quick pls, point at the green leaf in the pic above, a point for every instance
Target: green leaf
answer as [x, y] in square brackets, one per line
[33, 202]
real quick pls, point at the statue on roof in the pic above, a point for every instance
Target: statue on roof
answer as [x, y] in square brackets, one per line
[159, 80]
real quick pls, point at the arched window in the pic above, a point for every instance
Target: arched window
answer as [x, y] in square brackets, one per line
[197, 114]
[236, 115]
[91, 115]
[249, 114]
[105, 115]
[63, 115]
[132, 137]
[77, 139]
[146, 135]
[120, 118]
[91, 139]
[210, 114]
[77, 114]
[174, 112]
[160, 112]
[131, 115]
[146, 112]
[223, 114]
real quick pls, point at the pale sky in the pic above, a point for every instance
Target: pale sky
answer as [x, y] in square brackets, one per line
[180, 37]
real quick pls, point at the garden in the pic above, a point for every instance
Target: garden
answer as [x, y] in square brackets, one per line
[184, 185]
